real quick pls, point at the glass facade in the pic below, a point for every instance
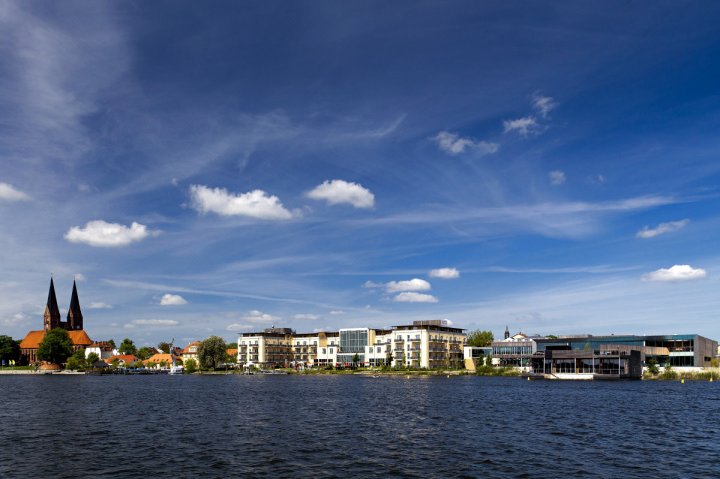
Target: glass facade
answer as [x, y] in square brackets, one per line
[353, 340]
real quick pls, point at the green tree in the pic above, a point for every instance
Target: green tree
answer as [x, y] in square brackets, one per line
[92, 359]
[55, 347]
[356, 359]
[488, 361]
[551, 336]
[479, 338]
[9, 349]
[212, 352]
[127, 347]
[652, 366]
[144, 353]
[111, 342]
[190, 366]
[164, 347]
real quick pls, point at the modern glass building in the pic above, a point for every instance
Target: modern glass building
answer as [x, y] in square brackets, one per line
[352, 342]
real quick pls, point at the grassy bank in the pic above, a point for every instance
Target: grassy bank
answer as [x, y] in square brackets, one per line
[496, 371]
[672, 375]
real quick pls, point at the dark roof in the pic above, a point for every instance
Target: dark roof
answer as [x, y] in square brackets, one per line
[74, 310]
[52, 304]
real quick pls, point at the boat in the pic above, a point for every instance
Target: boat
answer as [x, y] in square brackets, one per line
[176, 369]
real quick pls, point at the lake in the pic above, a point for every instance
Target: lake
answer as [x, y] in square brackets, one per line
[351, 426]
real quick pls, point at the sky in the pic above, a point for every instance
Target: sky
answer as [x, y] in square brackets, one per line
[213, 168]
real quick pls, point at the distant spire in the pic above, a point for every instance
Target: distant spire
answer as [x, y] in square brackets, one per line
[75, 317]
[507, 332]
[52, 312]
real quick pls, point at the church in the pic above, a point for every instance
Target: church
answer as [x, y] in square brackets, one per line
[51, 320]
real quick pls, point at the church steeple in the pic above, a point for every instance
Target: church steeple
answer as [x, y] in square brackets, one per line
[51, 318]
[507, 332]
[74, 317]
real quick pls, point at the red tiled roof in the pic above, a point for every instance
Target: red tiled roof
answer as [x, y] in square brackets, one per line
[33, 339]
[187, 348]
[160, 357]
[122, 358]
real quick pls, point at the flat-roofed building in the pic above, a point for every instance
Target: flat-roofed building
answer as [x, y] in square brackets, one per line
[428, 344]
[327, 351]
[271, 347]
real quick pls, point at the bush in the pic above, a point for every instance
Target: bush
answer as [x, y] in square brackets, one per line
[190, 366]
[669, 373]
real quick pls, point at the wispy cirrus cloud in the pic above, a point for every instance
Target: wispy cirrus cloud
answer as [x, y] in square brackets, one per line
[100, 233]
[524, 126]
[543, 104]
[336, 192]
[454, 144]
[557, 177]
[662, 228]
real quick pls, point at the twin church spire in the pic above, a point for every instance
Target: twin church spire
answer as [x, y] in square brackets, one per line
[52, 312]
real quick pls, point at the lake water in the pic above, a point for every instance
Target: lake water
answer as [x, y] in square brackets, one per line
[350, 426]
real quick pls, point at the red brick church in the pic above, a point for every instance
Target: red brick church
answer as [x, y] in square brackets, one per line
[51, 320]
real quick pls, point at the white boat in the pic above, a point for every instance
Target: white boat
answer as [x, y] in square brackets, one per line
[176, 370]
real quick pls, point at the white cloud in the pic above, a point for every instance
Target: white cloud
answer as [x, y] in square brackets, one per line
[17, 318]
[340, 191]
[172, 300]
[254, 204]
[307, 316]
[80, 277]
[154, 322]
[543, 104]
[414, 284]
[103, 234]
[679, 272]
[9, 193]
[256, 316]
[662, 228]
[557, 177]
[337, 312]
[523, 126]
[238, 327]
[454, 144]
[409, 297]
[372, 284]
[99, 305]
[444, 273]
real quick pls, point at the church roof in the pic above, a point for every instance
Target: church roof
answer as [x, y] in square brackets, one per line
[33, 339]
[74, 310]
[52, 304]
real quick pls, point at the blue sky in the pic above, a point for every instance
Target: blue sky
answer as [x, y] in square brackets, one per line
[213, 168]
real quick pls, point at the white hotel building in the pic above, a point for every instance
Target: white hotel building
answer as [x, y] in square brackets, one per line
[423, 344]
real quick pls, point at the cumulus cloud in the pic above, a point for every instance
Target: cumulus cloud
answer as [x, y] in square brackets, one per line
[557, 177]
[414, 284]
[172, 300]
[99, 305]
[339, 191]
[254, 204]
[307, 316]
[256, 316]
[543, 104]
[679, 272]
[444, 273]
[16, 319]
[108, 235]
[411, 297]
[9, 193]
[662, 228]
[454, 144]
[153, 322]
[523, 126]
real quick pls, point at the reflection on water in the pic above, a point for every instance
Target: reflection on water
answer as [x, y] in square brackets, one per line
[342, 426]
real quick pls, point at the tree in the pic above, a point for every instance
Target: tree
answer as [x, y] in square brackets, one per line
[9, 349]
[111, 342]
[190, 366]
[479, 338]
[652, 366]
[488, 361]
[127, 347]
[356, 359]
[92, 359]
[164, 347]
[55, 347]
[144, 353]
[212, 352]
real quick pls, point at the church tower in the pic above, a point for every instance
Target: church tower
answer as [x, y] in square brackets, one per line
[51, 318]
[74, 317]
[507, 333]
